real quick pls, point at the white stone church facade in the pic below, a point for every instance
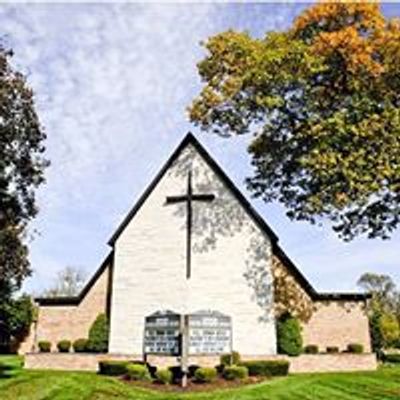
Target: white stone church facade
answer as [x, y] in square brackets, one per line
[237, 268]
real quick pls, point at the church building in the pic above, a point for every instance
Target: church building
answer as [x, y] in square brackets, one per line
[193, 245]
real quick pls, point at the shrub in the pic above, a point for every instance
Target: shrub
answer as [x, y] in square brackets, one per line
[220, 369]
[289, 337]
[230, 358]
[80, 345]
[205, 375]
[98, 335]
[177, 373]
[138, 372]
[164, 376]
[311, 349]
[192, 369]
[235, 372]
[44, 346]
[332, 349]
[391, 358]
[356, 348]
[64, 346]
[113, 368]
[267, 367]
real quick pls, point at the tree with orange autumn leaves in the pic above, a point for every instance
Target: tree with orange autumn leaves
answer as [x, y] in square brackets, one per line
[322, 101]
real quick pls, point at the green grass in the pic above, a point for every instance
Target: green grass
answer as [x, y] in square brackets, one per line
[20, 384]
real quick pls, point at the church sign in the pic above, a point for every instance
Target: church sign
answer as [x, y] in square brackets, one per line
[210, 332]
[162, 333]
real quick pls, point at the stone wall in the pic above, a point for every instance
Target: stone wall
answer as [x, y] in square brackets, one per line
[58, 322]
[302, 364]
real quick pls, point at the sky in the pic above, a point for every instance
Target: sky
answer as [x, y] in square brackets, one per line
[112, 83]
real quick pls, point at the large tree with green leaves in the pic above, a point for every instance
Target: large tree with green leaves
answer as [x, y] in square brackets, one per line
[323, 102]
[21, 171]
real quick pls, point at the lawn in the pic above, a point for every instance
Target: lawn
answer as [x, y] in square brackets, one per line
[19, 384]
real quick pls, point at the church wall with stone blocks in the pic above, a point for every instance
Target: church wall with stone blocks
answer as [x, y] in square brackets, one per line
[237, 268]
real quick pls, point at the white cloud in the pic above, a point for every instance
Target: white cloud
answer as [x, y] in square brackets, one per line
[112, 82]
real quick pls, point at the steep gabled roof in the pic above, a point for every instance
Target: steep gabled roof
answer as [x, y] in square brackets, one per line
[190, 139]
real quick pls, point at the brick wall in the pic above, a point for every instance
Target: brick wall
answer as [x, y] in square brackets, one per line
[325, 323]
[337, 323]
[58, 322]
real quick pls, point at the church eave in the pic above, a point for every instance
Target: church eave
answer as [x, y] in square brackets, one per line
[306, 285]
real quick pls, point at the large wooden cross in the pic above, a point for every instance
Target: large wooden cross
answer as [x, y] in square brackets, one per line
[189, 198]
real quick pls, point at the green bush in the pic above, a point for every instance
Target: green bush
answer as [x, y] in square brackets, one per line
[138, 372]
[267, 367]
[192, 369]
[391, 358]
[164, 376]
[235, 372]
[205, 375]
[64, 346]
[356, 348]
[332, 349]
[176, 373]
[289, 337]
[230, 358]
[44, 346]
[113, 368]
[311, 349]
[80, 345]
[98, 335]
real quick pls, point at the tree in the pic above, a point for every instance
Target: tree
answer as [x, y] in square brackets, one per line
[21, 172]
[68, 283]
[16, 318]
[323, 102]
[382, 288]
[383, 309]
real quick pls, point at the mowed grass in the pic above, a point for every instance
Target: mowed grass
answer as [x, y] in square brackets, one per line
[19, 384]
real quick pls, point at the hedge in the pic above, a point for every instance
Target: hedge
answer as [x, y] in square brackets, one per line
[205, 375]
[356, 348]
[164, 376]
[44, 346]
[176, 373]
[80, 345]
[392, 358]
[192, 369]
[230, 358]
[311, 349]
[138, 372]
[267, 367]
[235, 372]
[64, 346]
[332, 349]
[113, 368]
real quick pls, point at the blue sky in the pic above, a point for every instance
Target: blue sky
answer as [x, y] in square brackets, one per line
[112, 82]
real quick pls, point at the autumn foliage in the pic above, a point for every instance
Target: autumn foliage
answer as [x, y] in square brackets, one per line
[323, 100]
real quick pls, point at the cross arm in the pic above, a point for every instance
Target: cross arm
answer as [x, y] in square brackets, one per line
[203, 197]
[176, 199]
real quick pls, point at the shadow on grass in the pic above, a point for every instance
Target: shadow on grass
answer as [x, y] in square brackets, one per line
[6, 371]
[9, 367]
